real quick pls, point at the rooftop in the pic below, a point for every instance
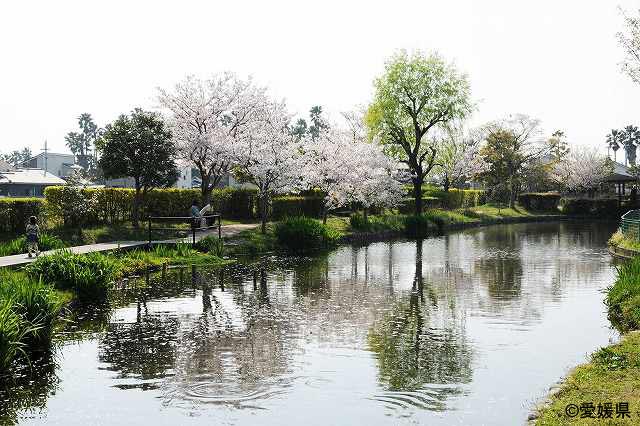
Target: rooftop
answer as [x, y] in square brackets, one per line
[30, 176]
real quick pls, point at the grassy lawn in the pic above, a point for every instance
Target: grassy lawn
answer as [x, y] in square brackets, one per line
[612, 376]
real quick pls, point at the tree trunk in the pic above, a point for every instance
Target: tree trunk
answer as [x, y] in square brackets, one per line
[136, 206]
[446, 183]
[512, 195]
[417, 193]
[324, 213]
[205, 188]
[365, 215]
[263, 212]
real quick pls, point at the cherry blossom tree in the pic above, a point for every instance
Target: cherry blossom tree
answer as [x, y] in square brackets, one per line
[582, 170]
[269, 156]
[341, 164]
[458, 157]
[207, 117]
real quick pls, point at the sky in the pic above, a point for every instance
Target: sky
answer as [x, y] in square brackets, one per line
[557, 61]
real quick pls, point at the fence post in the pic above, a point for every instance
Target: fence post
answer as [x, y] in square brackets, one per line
[219, 226]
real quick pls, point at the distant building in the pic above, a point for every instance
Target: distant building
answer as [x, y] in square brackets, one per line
[19, 182]
[60, 165]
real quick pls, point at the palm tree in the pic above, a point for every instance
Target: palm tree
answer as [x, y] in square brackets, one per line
[631, 139]
[613, 142]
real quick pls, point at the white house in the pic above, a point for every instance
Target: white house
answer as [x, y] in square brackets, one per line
[60, 165]
[19, 182]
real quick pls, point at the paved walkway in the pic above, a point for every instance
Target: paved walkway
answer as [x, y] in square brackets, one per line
[227, 231]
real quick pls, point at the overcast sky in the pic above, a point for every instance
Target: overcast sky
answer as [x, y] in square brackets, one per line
[554, 60]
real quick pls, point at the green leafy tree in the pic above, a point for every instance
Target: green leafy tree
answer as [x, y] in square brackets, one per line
[317, 124]
[415, 94]
[511, 147]
[139, 146]
[17, 157]
[558, 145]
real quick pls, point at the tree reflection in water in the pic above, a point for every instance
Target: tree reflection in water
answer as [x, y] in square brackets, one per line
[420, 347]
[26, 392]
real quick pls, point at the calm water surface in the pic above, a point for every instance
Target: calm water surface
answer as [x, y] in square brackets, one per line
[467, 329]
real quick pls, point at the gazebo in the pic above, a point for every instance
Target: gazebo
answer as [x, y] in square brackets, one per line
[620, 177]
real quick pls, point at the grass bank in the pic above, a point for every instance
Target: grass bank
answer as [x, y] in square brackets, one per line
[356, 227]
[613, 373]
[612, 376]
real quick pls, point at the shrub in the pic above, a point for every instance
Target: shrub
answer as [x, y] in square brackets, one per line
[544, 201]
[12, 333]
[377, 223]
[19, 245]
[302, 233]
[291, 206]
[603, 207]
[14, 212]
[88, 275]
[36, 303]
[211, 244]
[418, 226]
[623, 298]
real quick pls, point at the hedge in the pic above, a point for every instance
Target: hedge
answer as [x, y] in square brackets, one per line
[14, 212]
[433, 198]
[604, 207]
[540, 201]
[113, 205]
[293, 206]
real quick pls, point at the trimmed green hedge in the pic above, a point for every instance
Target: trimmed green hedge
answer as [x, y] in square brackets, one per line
[436, 198]
[292, 206]
[113, 205]
[540, 201]
[14, 212]
[604, 207]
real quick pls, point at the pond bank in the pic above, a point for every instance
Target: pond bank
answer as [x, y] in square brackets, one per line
[612, 375]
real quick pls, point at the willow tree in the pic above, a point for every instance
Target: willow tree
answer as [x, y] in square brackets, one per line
[415, 94]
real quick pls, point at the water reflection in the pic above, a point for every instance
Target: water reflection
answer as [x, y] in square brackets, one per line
[420, 346]
[401, 328]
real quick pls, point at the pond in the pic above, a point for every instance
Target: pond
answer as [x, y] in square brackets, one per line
[468, 328]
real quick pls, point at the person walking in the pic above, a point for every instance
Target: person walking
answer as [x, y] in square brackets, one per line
[32, 236]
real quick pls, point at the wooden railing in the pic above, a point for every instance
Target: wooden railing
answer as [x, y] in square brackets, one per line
[211, 221]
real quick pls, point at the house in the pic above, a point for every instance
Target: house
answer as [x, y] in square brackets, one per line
[20, 182]
[60, 165]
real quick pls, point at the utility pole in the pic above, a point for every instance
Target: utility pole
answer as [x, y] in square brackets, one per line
[45, 156]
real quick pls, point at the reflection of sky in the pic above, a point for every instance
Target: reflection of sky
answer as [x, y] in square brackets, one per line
[522, 302]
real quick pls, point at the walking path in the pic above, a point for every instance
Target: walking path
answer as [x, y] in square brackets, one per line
[227, 231]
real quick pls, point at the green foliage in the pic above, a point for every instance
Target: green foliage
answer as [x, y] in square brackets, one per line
[211, 244]
[419, 226]
[139, 146]
[290, 206]
[303, 233]
[35, 302]
[114, 205]
[14, 213]
[545, 201]
[610, 359]
[415, 93]
[623, 298]
[19, 245]
[17, 157]
[13, 330]
[377, 223]
[88, 275]
[28, 309]
[601, 207]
